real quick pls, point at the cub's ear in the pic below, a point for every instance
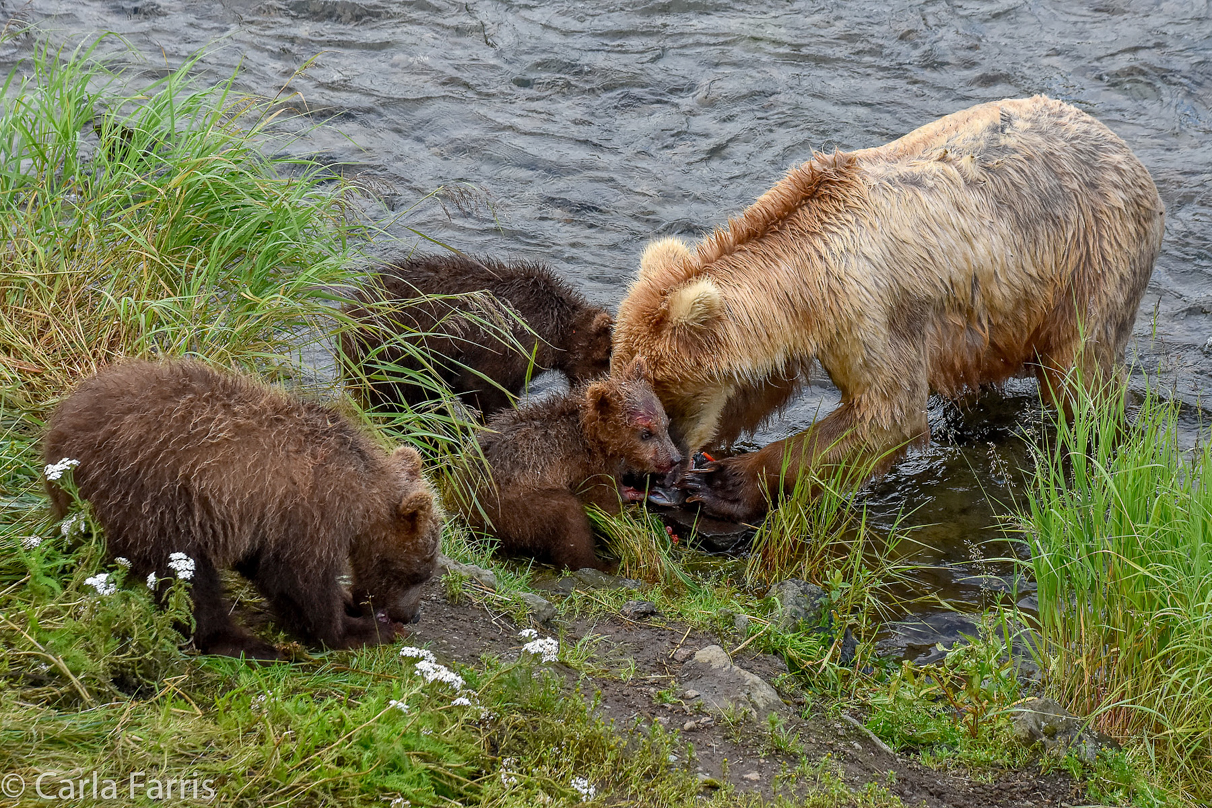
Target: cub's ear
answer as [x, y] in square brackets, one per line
[694, 304]
[603, 324]
[406, 459]
[662, 254]
[415, 508]
[598, 397]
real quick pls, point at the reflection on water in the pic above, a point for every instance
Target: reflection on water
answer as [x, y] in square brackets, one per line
[574, 136]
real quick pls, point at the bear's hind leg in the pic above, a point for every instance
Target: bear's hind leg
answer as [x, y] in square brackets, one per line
[214, 631]
[547, 522]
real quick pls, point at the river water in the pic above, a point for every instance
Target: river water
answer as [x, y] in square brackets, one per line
[574, 135]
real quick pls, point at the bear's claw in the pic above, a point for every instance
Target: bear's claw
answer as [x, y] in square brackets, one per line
[721, 491]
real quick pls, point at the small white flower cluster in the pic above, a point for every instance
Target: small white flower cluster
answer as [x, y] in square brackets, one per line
[399, 802]
[548, 648]
[31, 542]
[102, 584]
[181, 564]
[417, 653]
[433, 672]
[258, 703]
[583, 787]
[528, 634]
[72, 526]
[122, 562]
[508, 779]
[461, 701]
[151, 580]
[399, 705]
[55, 470]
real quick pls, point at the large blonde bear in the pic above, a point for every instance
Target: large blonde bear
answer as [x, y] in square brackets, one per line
[1016, 235]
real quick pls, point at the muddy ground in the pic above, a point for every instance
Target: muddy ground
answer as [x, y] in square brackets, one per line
[463, 632]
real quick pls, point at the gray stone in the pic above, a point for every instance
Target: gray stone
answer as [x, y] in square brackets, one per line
[721, 686]
[480, 575]
[540, 609]
[590, 579]
[639, 609]
[1043, 723]
[799, 605]
[741, 623]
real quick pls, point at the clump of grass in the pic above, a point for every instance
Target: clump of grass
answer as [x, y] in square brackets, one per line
[1120, 528]
[819, 533]
[151, 221]
[644, 548]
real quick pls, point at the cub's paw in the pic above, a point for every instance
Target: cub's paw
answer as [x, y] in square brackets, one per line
[726, 491]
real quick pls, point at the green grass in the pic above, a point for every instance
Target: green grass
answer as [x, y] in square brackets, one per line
[1120, 527]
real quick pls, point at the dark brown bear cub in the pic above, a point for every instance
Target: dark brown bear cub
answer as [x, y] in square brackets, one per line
[551, 458]
[175, 457]
[478, 365]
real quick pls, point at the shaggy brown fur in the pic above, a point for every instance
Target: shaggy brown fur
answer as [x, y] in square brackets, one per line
[550, 459]
[177, 457]
[1016, 234]
[573, 336]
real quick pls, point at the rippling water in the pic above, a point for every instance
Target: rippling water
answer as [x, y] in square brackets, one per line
[578, 135]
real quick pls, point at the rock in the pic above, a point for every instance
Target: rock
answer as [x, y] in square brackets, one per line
[722, 686]
[683, 654]
[591, 579]
[753, 776]
[540, 609]
[1045, 723]
[639, 609]
[799, 605]
[741, 623]
[478, 574]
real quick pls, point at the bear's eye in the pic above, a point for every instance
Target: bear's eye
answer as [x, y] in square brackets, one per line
[645, 434]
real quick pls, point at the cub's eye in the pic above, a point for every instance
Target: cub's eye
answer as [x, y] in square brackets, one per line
[646, 434]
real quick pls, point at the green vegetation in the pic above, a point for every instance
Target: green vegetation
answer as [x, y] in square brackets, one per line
[1120, 526]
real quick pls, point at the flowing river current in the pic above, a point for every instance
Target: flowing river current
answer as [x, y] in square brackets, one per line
[573, 134]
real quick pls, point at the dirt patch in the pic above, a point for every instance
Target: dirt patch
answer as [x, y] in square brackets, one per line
[741, 752]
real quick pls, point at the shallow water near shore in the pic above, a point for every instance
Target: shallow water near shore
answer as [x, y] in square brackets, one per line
[574, 137]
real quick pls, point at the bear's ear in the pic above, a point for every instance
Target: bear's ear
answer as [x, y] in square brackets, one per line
[406, 459]
[695, 303]
[602, 324]
[415, 507]
[598, 397]
[662, 254]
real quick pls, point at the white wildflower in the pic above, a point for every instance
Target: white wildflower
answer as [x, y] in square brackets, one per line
[181, 564]
[72, 526]
[55, 470]
[584, 788]
[439, 673]
[528, 634]
[399, 705]
[31, 542]
[508, 779]
[258, 703]
[101, 583]
[399, 802]
[151, 580]
[548, 648]
[461, 701]
[122, 562]
[417, 653]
